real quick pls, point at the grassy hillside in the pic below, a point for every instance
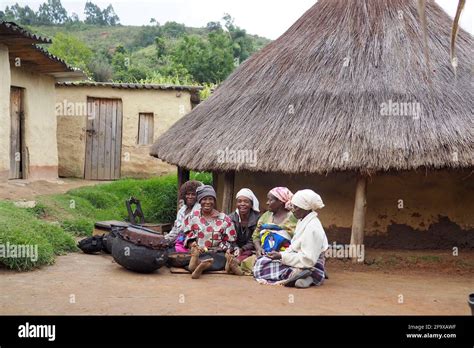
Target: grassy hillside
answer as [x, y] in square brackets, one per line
[101, 51]
[130, 37]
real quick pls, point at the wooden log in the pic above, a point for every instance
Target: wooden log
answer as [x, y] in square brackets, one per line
[358, 219]
[228, 193]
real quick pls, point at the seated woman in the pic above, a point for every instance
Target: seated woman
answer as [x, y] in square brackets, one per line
[274, 228]
[187, 193]
[208, 233]
[245, 220]
[302, 264]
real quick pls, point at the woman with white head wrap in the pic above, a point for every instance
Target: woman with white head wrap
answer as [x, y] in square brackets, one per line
[245, 220]
[302, 264]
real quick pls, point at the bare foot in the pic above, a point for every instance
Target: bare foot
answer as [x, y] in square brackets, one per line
[201, 268]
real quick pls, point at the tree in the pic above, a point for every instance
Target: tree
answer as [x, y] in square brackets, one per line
[123, 69]
[214, 26]
[93, 14]
[74, 18]
[23, 15]
[242, 44]
[52, 12]
[173, 29]
[208, 60]
[72, 50]
[109, 17]
[160, 44]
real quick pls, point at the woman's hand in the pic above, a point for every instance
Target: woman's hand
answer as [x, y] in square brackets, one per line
[274, 255]
[259, 251]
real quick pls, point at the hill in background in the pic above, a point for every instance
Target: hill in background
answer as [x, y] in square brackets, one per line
[153, 53]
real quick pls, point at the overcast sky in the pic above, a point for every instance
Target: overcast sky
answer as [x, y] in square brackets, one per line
[268, 18]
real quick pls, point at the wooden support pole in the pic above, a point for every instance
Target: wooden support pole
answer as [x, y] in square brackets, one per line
[183, 176]
[228, 193]
[215, 178]
[358, 219]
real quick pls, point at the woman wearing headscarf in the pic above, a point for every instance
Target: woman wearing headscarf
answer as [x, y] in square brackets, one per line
[188, 195]
[245, 220]
[208, 233]
[301, 264]
[274, 228]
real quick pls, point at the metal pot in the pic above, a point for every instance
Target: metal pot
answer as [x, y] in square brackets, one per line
[134, 256]
[110, 238]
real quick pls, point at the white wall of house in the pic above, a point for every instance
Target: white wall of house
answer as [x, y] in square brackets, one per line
[5, 79]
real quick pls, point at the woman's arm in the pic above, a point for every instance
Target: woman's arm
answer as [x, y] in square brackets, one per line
[309, 250]
[229, 236]
[177, 226]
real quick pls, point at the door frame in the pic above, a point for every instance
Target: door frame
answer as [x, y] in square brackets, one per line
[21, 133]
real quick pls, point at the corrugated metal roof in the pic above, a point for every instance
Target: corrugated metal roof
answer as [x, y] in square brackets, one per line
[13, 27]
[128, 85]
[25, 45]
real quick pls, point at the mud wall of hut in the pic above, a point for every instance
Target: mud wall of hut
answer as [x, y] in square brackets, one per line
[168, 106]
[5, 79]
[39, 133]
[410, 210]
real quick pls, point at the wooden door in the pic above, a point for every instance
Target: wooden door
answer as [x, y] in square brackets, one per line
[103, 139]
[145, 128]
[16, 134]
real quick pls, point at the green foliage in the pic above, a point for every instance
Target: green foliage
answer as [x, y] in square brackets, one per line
[179, 76]
[124, 70]
[208, 60]
[22, 227]
[81, 226]
[170, 53]
[207, 90]
[72, 50]
[173, 29]
[52, 12]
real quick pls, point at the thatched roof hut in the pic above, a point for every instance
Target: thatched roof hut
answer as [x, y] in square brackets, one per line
[346, 88]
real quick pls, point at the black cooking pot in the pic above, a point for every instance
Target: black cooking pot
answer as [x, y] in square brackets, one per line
[110, 237]
[135, 255]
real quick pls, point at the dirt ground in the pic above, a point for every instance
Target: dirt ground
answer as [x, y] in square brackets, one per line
[93, 285]
[27, 190]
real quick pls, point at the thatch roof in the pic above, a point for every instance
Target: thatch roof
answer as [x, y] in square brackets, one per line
[311, 101]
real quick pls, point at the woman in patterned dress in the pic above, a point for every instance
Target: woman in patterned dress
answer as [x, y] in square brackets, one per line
[209, 234]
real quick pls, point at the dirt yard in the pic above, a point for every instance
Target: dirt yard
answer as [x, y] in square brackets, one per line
[429, 282]
[25, 190]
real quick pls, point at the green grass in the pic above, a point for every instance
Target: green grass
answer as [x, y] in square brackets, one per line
[56, 219]
[22, 227]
